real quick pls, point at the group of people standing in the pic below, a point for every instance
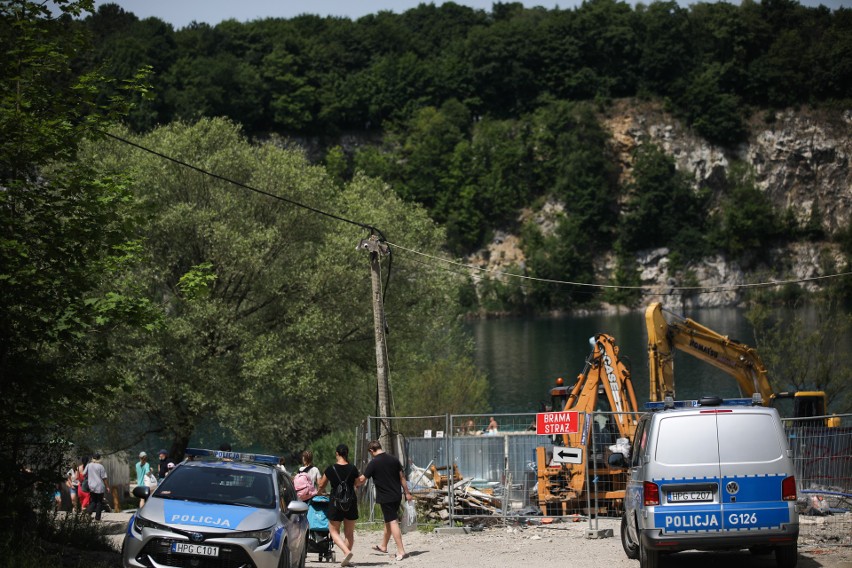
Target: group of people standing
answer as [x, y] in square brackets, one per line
[86, 483]
[389, 479]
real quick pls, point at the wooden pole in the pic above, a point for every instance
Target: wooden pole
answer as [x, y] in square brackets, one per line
[375, 248]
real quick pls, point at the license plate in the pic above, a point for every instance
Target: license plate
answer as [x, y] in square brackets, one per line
[689, 496]
[196, 549]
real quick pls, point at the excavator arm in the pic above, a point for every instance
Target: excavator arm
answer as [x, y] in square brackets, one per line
[734, 358]
[604, 385]
[738, 360]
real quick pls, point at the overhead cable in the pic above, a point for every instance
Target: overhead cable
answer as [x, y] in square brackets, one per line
[674, 290]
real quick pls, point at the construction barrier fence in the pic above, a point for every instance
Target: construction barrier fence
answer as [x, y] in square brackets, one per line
[463, 472]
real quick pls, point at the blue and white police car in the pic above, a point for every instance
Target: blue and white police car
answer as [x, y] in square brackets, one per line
[709, 475]
[219, 509]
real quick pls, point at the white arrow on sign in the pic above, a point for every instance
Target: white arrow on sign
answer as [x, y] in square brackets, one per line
[567, 455]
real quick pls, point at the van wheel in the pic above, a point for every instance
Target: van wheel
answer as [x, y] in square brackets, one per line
[631, 549]
[648, 558]
[786, 556]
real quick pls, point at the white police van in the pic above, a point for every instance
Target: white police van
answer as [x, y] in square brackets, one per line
[709, 475]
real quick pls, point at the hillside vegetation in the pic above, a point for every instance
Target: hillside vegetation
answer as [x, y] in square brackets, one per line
[478, 114]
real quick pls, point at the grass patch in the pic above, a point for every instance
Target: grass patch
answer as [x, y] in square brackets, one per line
[67, 540]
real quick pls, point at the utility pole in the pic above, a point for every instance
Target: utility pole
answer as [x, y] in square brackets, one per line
[376, 248]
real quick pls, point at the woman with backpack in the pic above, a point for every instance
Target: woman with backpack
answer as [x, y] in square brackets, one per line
[309, 468]
[343, 506]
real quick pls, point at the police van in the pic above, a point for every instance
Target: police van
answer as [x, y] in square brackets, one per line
[709, 475]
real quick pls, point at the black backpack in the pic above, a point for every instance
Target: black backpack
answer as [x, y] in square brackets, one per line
[342, 498]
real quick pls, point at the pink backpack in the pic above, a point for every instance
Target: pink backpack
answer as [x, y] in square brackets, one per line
[304, 486]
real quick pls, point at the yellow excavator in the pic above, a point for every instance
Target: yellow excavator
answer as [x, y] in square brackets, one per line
[739, 360]
[604, 385]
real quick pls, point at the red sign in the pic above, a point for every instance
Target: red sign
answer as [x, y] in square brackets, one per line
[549, 423]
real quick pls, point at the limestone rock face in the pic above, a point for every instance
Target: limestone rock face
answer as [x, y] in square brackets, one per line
[802, 160]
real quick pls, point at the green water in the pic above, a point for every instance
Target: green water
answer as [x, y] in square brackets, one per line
[523, 357]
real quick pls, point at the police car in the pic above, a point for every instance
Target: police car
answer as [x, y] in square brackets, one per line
[709, 475]
[222, 509]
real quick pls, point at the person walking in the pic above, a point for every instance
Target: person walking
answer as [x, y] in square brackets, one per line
[163, 466]
[309, 468]
[98, 485]
[73, 484]
[387, 475]
[83, 496]
[143, 470]
[341, 473]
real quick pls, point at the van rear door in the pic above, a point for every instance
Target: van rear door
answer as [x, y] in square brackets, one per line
[685, 467]
[753, 465]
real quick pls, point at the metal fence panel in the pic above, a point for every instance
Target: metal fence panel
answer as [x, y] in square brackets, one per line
[496, 473]
[822, 456]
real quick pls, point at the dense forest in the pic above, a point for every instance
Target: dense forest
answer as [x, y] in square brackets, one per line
[475, 114]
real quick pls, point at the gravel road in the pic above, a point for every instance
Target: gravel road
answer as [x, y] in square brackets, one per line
[557, 545]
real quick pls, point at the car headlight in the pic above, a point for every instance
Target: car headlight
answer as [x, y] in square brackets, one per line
[140, 523]
[262, 536]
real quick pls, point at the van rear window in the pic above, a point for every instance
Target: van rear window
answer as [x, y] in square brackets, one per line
[687, 440]
[748, 438]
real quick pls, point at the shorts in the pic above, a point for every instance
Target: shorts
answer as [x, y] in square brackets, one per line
[390, 511]
[335, 514]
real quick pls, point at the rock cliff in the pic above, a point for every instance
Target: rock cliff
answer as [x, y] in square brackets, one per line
[801, 160]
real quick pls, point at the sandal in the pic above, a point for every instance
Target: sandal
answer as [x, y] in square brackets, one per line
[377, 549]
[401, 557]
[346, 560]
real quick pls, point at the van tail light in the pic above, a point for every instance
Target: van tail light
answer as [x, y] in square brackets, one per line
[788, 489]
[652, 493]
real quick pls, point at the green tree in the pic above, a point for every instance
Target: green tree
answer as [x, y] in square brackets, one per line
[805, 346]
[661, 208]
[267, 324]
[66, 238]
[748, 223]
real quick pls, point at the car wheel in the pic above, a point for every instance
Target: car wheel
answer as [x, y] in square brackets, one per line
[631, 549]
[786, 556]
[648, 558]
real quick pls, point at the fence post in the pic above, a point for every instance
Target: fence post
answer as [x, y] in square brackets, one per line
[448, 423]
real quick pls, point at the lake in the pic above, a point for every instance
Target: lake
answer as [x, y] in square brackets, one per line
[523, 357]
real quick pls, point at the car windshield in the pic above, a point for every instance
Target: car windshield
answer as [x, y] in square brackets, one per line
[219, 485]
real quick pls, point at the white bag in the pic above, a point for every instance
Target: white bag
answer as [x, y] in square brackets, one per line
[408, 521]
[151, 481]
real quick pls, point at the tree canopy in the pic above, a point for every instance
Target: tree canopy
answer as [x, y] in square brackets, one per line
[266, 324]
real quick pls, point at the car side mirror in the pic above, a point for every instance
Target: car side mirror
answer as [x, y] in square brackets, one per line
[617, 459]
[142, 492]
[297, 508]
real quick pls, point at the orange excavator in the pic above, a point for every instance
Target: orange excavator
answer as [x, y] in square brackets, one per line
[604, 387]
[739, 360]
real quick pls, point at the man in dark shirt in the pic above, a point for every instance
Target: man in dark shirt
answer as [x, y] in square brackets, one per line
[162, 467]
[389, 479]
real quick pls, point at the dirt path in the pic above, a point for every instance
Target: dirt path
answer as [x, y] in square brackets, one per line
[560, 544]
[556, 545]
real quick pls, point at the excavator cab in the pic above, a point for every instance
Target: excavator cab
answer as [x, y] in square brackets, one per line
[559, 396]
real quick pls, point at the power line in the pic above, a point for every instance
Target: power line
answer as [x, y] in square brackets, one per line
[673, 290]
[371, 228]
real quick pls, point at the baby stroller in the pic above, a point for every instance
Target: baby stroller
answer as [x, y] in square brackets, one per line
[319, 539]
